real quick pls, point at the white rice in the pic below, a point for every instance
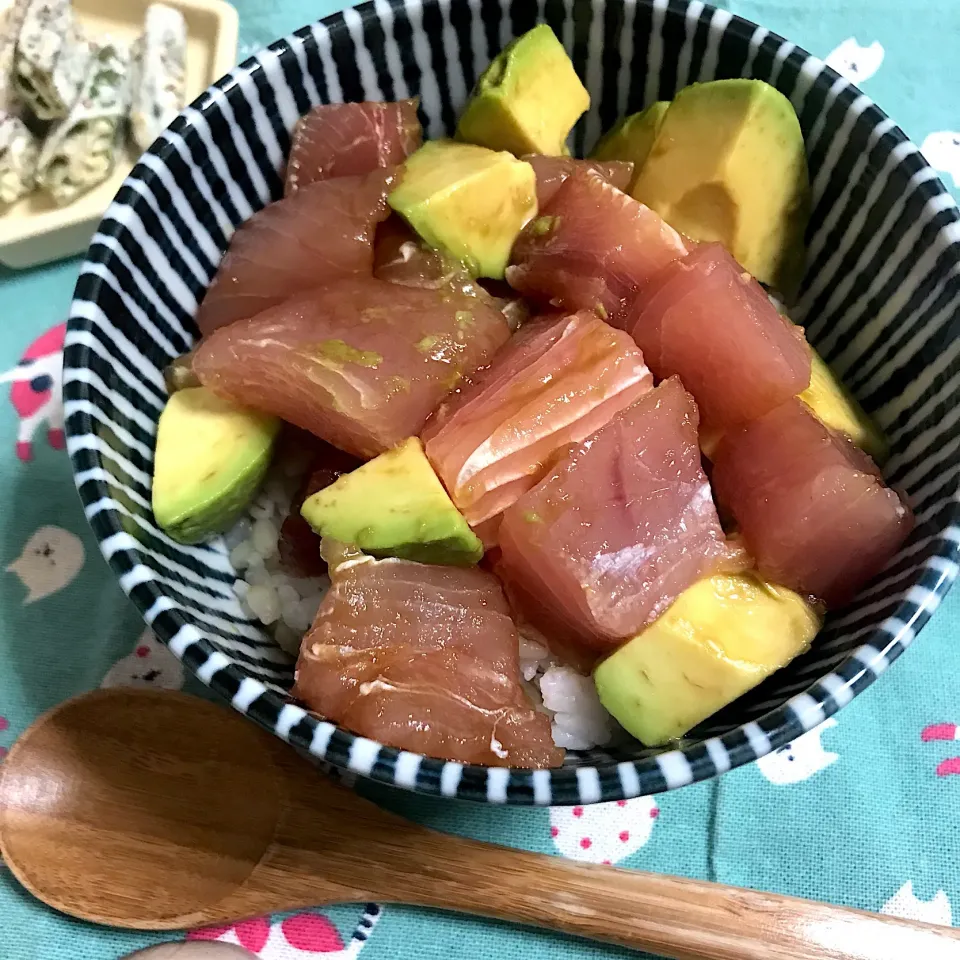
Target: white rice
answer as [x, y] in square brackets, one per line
[578, 719]
[287, 607]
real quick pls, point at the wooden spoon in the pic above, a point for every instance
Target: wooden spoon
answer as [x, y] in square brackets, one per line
[159, 811]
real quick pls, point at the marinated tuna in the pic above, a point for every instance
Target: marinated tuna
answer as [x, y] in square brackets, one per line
[423, 658]
[709, 322]
[592, 248]
[360, 363]
[323, 234]
[618, 529]
[812, 507]
[351, 139]
[556, 383]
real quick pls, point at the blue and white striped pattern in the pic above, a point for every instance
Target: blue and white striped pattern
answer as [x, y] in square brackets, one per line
[881, 300]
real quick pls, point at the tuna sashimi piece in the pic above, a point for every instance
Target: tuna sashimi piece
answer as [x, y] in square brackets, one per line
[553, 171]
[299, 544]
[322, 234]
[426, 659]
[592, 248]
[709, 322]
[622, 526]
[400, 256]
[359, 363]
[812, 507]
[557, 382]
[351, 139]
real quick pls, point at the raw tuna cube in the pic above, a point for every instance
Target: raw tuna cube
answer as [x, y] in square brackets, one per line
[400, 256]
[553, 171]
[709, 322]
[423, 658]
[592, 248]
[351, 139]
[557, 382]
[324, 233]
[619, 529]
[812, 508]
[359, 363]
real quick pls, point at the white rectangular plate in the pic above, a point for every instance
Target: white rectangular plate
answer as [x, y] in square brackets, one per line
[34, 231]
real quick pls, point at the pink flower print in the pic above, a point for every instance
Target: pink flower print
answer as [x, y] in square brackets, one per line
[311, 933]
[298, 937]
[252, 935]
[937, 732]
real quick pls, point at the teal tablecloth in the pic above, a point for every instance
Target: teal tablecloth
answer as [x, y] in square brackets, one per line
[862, 812]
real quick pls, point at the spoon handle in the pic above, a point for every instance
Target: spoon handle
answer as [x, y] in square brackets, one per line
[679, 918]
[671, 916]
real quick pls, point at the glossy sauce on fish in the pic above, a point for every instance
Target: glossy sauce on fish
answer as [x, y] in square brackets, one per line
[359, 363]
[324, 233]
[618, 529]
[423, 658]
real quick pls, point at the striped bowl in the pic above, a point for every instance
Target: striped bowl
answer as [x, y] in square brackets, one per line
[881, 301]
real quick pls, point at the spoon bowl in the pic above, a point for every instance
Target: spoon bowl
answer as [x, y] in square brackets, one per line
[159, 811]
[90, 809]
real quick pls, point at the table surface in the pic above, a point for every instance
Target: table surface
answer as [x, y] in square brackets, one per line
[863, 811]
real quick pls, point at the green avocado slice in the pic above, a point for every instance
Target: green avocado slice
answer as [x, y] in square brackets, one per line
[729, 165]
[527, 100]
[394, 506]
[210, 459]
[720, 638]
[837, 408]
[632, 138]
[467, 201]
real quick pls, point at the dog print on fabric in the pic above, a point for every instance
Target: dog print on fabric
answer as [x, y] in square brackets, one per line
[36, 391]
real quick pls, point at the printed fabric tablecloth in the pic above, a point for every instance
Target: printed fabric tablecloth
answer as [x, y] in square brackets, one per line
[863, 811]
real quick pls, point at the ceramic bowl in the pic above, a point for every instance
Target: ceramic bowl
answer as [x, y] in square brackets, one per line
[880, 300]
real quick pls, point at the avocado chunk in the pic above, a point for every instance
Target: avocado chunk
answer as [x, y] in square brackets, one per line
[728, 164]
[632, 138]
[210, 459]
[527, 100]
[467, 201]
[720, 638]
[835, 407]
[394, 506]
